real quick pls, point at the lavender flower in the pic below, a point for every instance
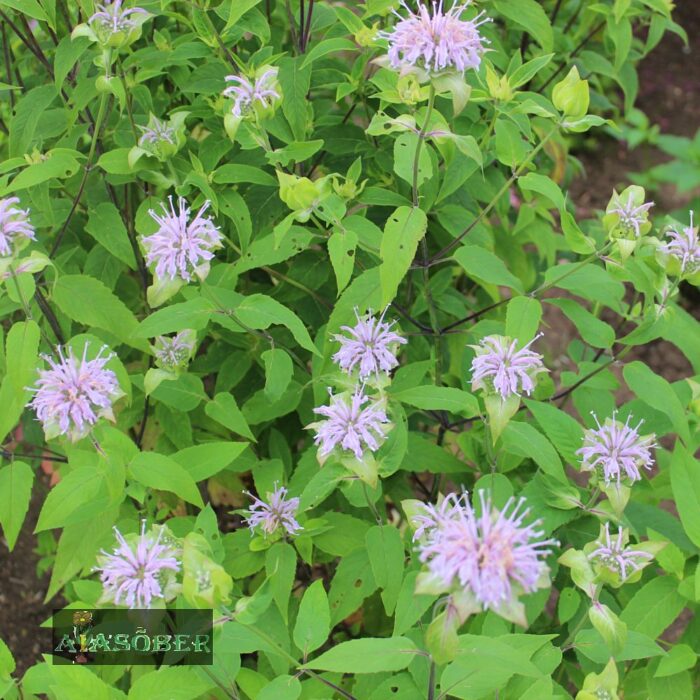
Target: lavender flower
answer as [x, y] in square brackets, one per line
[112, 18]
[437, 41]
[181, 247]
[613, 554]
[139, 572]
[14, 226]
[72, 395]
[245, 93]
[370, 346]
[631, 217]
[156, 131]
[500, 366]
[349, 425]
[173, 353]
[685, 247]
[493, 554]
[279, 513]
[617, 449]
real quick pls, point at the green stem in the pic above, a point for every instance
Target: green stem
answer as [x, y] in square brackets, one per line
[419, 145]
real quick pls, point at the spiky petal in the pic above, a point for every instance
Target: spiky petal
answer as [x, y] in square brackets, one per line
[351, 426]
[632, 217]
[370, 346]
[617, 449]
[175, 352]
[685, 247]
[613, 554]
[494, 554]
[245, 93]
[436, 41]
[113, 17]
[499, 366]
[156, 131]
[134, 573]
[73, 394]
[181, 247]
[279, 512]
[14, 225]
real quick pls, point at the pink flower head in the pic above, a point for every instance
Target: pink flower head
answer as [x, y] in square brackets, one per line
[437, 41]
[632, 217]
[181, 247]
[499, 366]
[72, 395]
[137, 573]
[613, 554]
[14, 224]
[278, 512]
[489, 554]
[370, 346]
[156, 131]
[617, 449]
[246, 93]
[685, 247]
[111, 17]
[350, 425]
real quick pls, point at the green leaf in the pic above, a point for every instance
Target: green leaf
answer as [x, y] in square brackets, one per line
[438, 398]
[523, 74]
[511, 148]
[105, 225]
[352, 583]
[237, 10]
[594, 331]
[313, 623]
[654, 607]
[524, 440]
[523, 317]
[404, 157]
[88, 301]
[157, 471]
[60, 163]
[209, 458]
[16, 481]
[281, 566]
[609, 626]
[28, 112]
[367, 656]
[341, 250]
[295, 81]
[237, 173]
[75, 681]
[283, 687]
[485, 266]
[654, 391]
[224, 409]
[22, 347]
[327, 46]
[68, 51]
[685, 482]
[260, 312]
[543, 185]
[194, 314]
[170, 683]
[386, 557]
[577, 240]
[530, 16]
[423, 455]
[679, 658]
[563, 431]
[403, 231]
[278, 372]
[587, 281]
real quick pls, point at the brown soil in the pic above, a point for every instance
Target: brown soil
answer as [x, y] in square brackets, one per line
[669, 95]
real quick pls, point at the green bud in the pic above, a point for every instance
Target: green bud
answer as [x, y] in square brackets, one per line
[571, 95]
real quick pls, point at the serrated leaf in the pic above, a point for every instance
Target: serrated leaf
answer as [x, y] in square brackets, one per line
[367, 656]
[224, 409]
[483, 265]
[313, 623]
[157, 471]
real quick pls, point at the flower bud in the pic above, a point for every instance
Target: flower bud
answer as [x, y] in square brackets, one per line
[571, 95]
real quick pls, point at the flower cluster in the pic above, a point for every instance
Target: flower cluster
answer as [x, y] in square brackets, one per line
[499, 367]
[493, 554]
[684, 247]
[370, 346]
[613, 554]
[436, 41]
[278, 513]
[180, 247]
[350, 424]
[174, 353]
[246, 94]
[617, 450]
[112, 25]
[73, 394]
[139, 570]
[156, 130]
[15, 227]
[632, 216]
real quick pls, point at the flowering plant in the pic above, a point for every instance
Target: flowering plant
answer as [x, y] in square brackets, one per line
[304, 322]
